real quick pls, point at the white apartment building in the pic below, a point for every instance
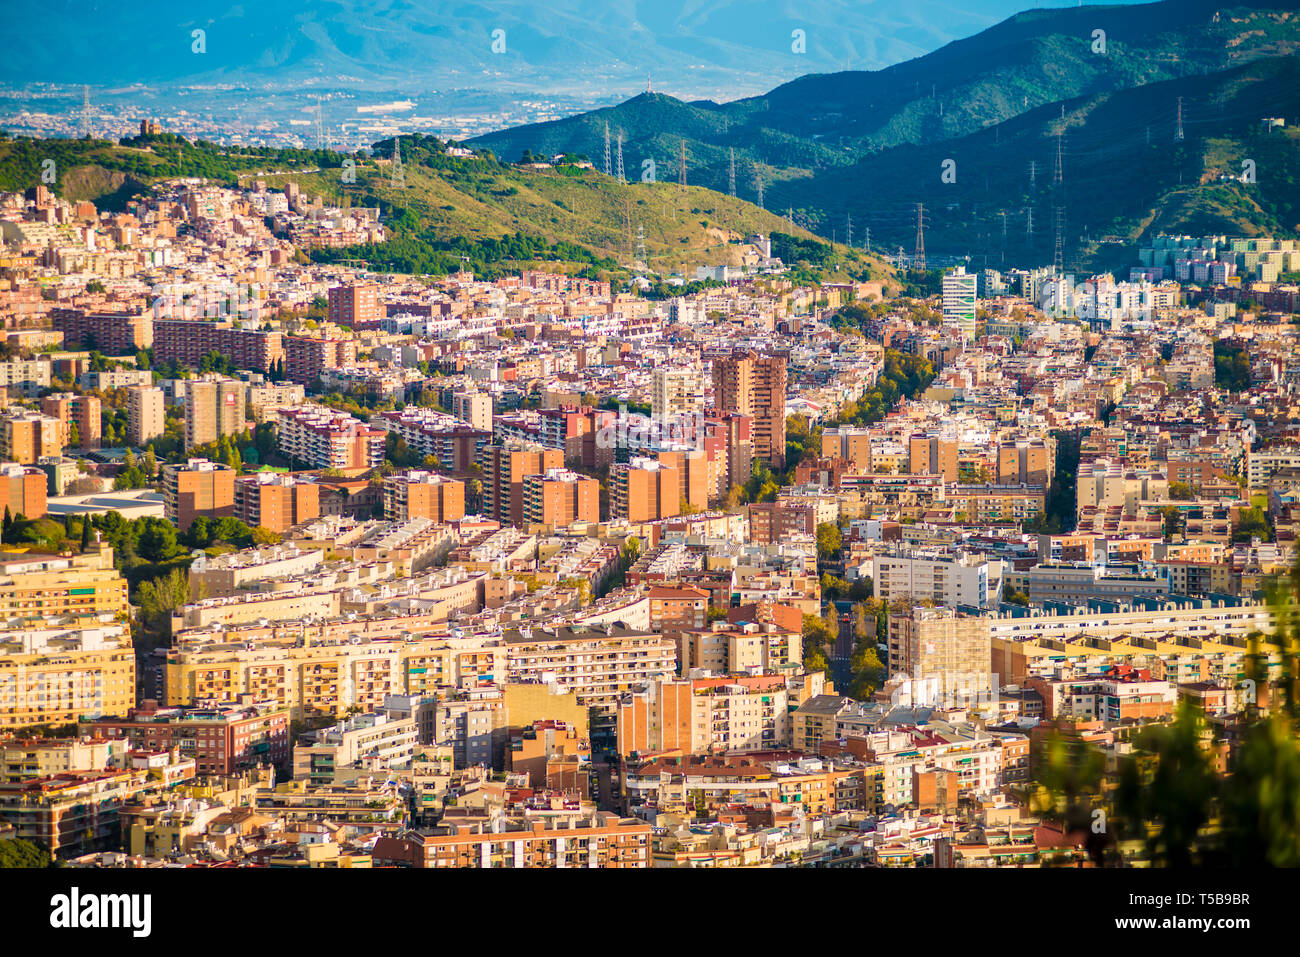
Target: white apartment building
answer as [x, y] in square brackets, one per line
[675, 392]
[947, 578]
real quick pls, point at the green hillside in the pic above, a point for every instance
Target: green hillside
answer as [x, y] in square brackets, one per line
[495, 215]
[448, 203]
[1123, 174]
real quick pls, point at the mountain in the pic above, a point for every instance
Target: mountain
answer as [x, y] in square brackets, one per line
[696, 47]
[1124, 173]
[1032, 59]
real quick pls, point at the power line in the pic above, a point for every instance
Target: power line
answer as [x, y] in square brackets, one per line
[919, 255]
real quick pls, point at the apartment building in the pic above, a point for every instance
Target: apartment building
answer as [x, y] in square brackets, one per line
[56, 674]
[644, 490]
[693, 475]
[1079, 583]
[26, 437]
[318, 437]
[306, 358]
[1025, 462]
[852, 445]
[959, 300]
[675, 392]
[112, 333]
[420, 494]
[81, 416]
[474, 408]
[722, 715]
[596, 664]
[221, 739]
[23, 490]
[22, 759]
[754, 385]
[214, 406]
[364, 743]
[456, 445]
[504, 468]
[946, 578]
[1123, 696]
[197, 487]
[38, 586]
[933, 455]
[187, 341]
[604, 840]
[559, 497]
[1263, 465]
[276, 501]
[355, 305]
[736, 647]
[25, 376]
[146, 415]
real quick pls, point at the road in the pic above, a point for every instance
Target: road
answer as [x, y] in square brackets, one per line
[843, 649]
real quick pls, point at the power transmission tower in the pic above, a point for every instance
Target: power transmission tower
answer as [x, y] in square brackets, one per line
[1033, 176]
[1058, 258]
[731, 174]
[621, 177]
[1029, 226]
[758, 182]
[919, 254]
[607, 166]
[397, 175]
[640, 245]
[681, 172]
[1178, 133]
[848, 230]
[1056, 177]
[85, 110]
[320, 125]
[868, 239]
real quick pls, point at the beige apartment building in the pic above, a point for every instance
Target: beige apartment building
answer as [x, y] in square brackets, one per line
[146, 415]
[58, 673]
[213, 407]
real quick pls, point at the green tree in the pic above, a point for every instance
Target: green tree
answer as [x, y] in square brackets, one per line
[830, 541]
